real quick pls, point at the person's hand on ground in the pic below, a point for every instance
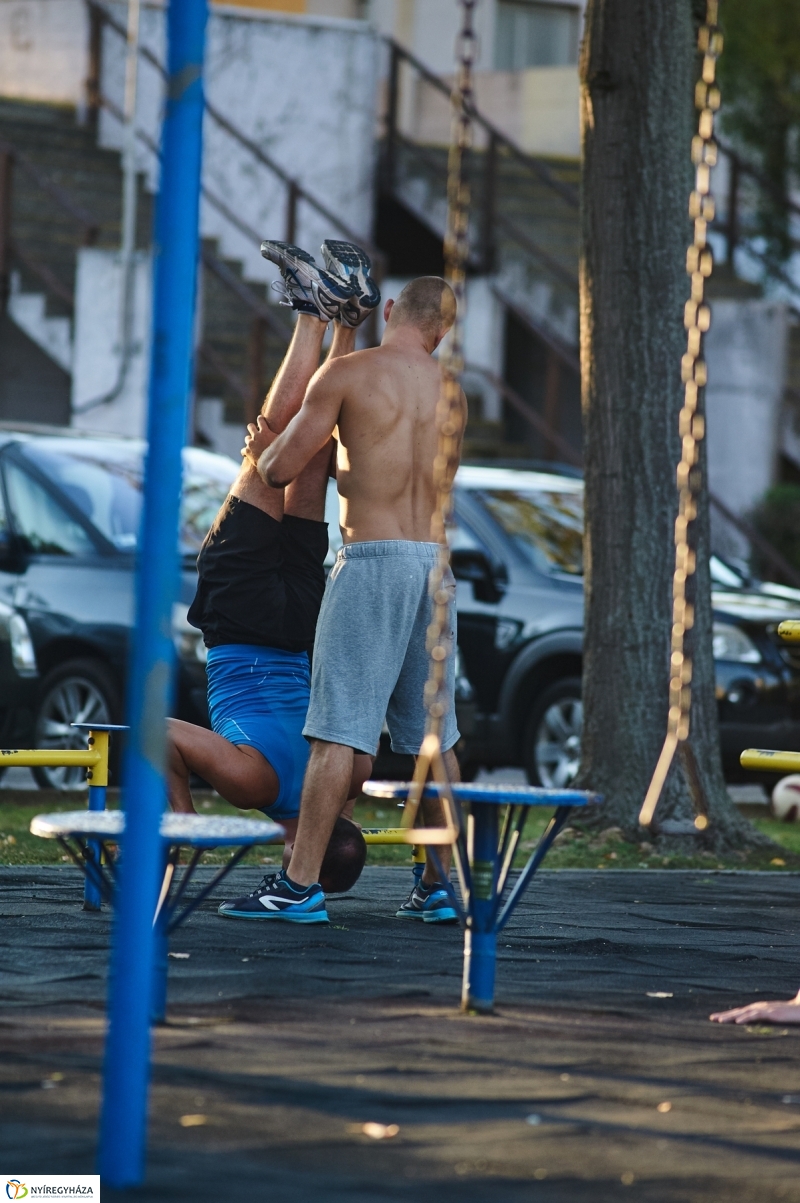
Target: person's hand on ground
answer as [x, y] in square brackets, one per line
[761, 1012]
[258, 438]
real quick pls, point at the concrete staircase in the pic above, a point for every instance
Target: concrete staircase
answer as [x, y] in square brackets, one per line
[66, 193]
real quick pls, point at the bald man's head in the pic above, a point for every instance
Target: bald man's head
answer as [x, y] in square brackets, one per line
[427, 303]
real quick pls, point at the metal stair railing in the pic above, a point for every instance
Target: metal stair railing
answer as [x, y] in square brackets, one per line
[11, 158]
[492, 222]
[296, 192]
[263, 315]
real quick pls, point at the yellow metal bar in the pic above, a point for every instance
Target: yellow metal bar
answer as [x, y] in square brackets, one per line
[54, 757]
[789, 631]
[770, 762]
[389, 835]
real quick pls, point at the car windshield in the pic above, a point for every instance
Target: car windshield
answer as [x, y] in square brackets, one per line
[545, 524]
[103, 478]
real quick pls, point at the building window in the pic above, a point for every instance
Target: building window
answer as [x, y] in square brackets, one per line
[532, 34]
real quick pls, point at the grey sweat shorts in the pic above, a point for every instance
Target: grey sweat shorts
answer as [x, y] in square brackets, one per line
[370, 660]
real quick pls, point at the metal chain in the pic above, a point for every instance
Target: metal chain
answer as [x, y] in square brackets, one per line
[697, 320]
[449, 415]
[449, 410]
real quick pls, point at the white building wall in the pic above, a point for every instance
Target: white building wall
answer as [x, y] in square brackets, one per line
[746, 354]
[96, 356]
[43, 50]
[302, 90]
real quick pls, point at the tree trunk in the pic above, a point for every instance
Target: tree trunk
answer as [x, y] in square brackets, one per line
[637, 84]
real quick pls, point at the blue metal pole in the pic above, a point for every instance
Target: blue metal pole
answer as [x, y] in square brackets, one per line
[123, 1123]
[92, 899]
[480, 938]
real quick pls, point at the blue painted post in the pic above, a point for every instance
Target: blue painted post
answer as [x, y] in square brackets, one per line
[92, 898]
[123, 1123]
[480, 938]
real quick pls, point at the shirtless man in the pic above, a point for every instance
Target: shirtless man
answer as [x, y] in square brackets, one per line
[370, 658]
[260, 584]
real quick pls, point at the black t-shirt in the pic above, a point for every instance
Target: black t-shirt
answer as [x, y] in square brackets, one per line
[260, 581]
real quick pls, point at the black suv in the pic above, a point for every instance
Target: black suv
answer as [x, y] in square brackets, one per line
[516, 545]
[69, 515]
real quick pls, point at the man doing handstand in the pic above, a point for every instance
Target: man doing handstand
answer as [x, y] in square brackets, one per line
[370, 657]
[261, 581]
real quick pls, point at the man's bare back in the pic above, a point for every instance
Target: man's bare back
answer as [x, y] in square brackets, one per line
[382, 404]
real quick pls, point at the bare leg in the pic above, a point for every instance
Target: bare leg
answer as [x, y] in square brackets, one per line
[762, 1012]
[325, 789]
[362, 767]
[241, 774]
[433, 814]
[300, 363]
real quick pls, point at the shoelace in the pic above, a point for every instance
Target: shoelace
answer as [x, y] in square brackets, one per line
[279, 287]
[267, 882]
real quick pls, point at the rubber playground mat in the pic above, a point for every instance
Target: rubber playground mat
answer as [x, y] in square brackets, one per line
[599, 1078]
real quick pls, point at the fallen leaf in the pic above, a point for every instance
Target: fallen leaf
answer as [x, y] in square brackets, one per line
[380, 1131]
[193, 1121]
[776, 860]
[664, 1108]
[179, 956]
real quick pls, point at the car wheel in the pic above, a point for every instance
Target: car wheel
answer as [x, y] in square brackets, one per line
[552, 736]
[79, 691]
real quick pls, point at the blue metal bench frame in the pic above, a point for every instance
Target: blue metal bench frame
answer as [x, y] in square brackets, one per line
[84, 834]
[483, 853]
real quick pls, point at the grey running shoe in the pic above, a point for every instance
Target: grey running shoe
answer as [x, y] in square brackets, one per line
[305, 287]
[353, 265]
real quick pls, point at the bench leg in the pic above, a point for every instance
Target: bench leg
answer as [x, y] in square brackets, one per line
[92, 900]
[480, 938]
[158, 1006]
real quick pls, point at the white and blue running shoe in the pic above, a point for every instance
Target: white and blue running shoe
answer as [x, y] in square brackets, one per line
[305, 287]
[351, 264]
[432, 904]
[276, 898]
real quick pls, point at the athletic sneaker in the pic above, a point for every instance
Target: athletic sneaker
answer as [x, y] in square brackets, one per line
[353, 265]
[305, 287]
[276, 898]
[432, 904]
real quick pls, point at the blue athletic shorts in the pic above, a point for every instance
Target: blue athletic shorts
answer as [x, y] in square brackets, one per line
[258, 697]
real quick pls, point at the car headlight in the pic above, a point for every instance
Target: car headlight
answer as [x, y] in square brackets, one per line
[731, 643]
[23, 656]
[188, 640]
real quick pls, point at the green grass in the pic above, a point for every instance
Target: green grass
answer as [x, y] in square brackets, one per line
[574, 850]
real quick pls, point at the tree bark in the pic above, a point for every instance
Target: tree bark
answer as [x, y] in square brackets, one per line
[637, 84]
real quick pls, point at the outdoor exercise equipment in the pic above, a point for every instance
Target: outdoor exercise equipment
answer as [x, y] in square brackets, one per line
[81, 832]
[485, 854]
[694, 373]
[764, 760]
[94, 758]
[483, 861]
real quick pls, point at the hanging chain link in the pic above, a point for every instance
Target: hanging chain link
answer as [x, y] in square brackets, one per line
[697, 320]
[450, 414]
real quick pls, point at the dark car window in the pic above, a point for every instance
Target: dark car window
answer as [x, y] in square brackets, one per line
[103, 478]
[546, 525]
[41, 521]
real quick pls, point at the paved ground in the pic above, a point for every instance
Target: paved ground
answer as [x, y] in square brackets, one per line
[286, 1042]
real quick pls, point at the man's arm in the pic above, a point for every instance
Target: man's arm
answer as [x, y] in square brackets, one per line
[280, 461]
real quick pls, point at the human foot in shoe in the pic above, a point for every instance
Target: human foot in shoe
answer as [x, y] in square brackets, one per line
[279, 898]
[353, 265]
[305, 287]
